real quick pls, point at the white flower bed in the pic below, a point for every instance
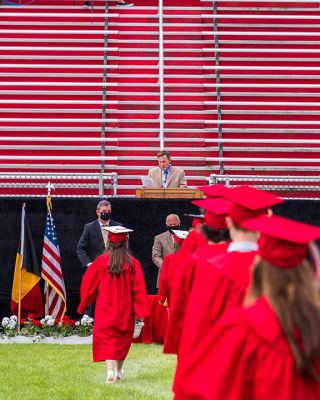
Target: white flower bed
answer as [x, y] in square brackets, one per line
[47, 330]
[38, 339]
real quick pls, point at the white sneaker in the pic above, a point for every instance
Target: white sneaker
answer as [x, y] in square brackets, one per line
[119, 374]
[110, 377]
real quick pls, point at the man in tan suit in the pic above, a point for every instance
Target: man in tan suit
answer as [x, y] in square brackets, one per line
[164, 243]
[166, 176]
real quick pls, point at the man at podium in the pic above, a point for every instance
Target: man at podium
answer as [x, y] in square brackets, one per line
[167, 176]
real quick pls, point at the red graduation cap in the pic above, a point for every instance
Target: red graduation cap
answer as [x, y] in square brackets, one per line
[198, 219]
[283, 242]
[216, 210]
[214, 190]
[118, 234]
[248, 202]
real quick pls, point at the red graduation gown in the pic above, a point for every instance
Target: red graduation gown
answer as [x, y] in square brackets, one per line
[217, 285]
[193, 241]
[176, 312]
[194, 264]
[199, 296]
[165, 278]
[246, 357]
[119, 300]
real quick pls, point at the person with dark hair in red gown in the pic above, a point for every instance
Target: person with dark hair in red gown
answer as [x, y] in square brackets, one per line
[115, 279]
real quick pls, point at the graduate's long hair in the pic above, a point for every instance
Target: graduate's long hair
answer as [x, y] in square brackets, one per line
[119, 256]
[295, 298]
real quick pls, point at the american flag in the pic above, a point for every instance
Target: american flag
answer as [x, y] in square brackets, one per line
[51, 271]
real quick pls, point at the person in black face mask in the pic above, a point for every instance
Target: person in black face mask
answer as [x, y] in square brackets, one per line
[164, 243]
[94, 238]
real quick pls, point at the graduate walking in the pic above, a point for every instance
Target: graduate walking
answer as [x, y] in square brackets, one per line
[115, 279]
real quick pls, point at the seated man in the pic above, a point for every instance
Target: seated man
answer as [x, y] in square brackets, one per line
[166, 176]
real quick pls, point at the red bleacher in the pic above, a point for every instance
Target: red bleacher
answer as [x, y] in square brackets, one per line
[240, 89]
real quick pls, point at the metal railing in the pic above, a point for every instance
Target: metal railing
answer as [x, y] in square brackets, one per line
[104, 91]
[66, 185]
[289, 187]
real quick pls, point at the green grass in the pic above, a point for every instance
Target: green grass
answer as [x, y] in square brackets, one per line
[64, 372]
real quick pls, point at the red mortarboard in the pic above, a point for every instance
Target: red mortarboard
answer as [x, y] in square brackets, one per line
[117, 234]
[198, 219]
[283, 242]
[216, 211]
[248, 202]
[117, 237]
[213, 191]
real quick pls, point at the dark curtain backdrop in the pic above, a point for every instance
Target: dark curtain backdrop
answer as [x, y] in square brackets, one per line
[145, 216]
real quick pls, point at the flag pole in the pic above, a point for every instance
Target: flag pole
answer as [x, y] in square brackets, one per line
[21, 262]
[49, 187]
[47, 299]
[52, 270]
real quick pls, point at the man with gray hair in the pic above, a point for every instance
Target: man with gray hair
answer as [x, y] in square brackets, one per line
[164, 243]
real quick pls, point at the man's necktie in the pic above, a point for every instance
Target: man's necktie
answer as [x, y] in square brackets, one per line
[165, 173]
[105, 234]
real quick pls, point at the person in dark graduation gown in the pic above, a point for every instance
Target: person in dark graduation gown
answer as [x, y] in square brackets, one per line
[221, 282]
[269, 348]
[116, 281]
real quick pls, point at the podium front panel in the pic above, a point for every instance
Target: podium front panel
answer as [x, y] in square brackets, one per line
[168, 193]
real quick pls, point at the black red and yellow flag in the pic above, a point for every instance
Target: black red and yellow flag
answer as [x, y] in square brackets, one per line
[25, 287]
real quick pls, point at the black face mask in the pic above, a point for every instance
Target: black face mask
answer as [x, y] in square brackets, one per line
[172, 228]
[105, 216]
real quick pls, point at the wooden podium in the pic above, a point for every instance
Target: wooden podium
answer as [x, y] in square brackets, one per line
[143, 193]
